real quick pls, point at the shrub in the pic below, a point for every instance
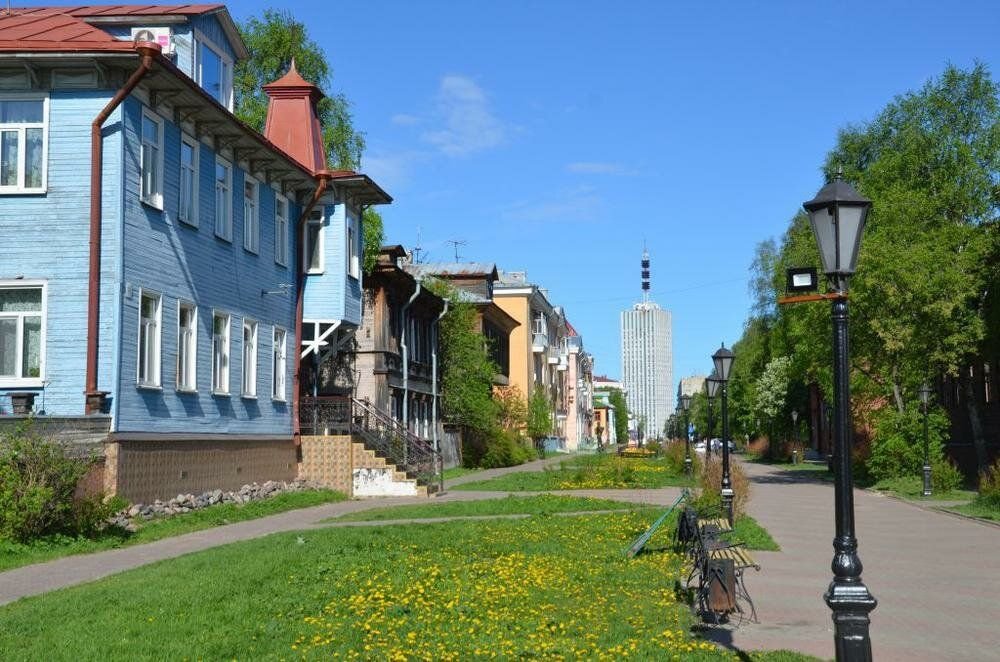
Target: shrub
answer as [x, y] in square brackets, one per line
[710, 497]
[655, 447]
[37, 485]
[945, 476]
[897, 446]
[674, 452]
[989, 486]
[505, 449]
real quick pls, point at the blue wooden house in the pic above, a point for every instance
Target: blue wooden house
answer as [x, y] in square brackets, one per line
[164, 266]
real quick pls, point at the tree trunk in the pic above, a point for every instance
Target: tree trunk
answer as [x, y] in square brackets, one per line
[897, 394]
[975, 423]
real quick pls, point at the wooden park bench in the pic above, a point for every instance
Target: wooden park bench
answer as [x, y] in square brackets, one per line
[719, 564]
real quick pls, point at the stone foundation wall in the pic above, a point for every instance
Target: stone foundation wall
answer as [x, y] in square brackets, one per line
[143, 471]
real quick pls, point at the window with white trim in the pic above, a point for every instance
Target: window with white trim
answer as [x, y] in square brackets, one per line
[251, 219]
[23, 143]
[188, 208]
[151, 160]
[148, 364]
[214, 72]
[281, 230]
[312, 246]
[278, 364]
[223, 200]
[220, 354]
[22, 324]
[249, 358]
[353, 262]
[187, 347]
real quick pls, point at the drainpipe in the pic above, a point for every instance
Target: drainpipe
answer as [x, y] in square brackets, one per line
[322, 182]
[406, 356]
[148, 51]
[434, 374]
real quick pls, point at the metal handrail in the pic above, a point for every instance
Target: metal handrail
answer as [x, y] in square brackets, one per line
[397, 443]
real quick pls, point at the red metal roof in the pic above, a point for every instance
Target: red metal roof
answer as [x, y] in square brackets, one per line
[33, 31]
[122, 10]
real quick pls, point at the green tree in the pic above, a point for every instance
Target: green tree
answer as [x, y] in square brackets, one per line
[373, 235]
[617, 400]
[921, 298]
[274, 40]
[539, 414]
[467, 371]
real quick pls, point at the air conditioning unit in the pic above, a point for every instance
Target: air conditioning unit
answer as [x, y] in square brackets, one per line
[160, 35]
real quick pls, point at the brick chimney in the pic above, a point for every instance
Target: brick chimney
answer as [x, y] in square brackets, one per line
[292, 123]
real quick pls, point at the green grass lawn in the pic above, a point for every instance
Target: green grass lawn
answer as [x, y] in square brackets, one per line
[588, 472]
[455, 472]
[13, 555]
[912, 487]
[978, 509]
[543, 504]
[532, 588]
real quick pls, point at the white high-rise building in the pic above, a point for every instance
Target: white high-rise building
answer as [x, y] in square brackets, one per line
[647, 360]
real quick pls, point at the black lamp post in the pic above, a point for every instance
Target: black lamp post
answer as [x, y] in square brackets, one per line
[723, 360]
[925, 400]
[686, 405]
[795, 436]
[838, 215]
[711, 389]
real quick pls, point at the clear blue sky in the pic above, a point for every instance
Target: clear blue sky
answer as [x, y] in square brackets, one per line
[556, 137]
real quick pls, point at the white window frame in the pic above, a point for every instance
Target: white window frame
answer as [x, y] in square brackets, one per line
[193, 143]
[249, 352]
[279, 364]
[315, 219]
[251, 215]
[220, 374]
[353, 260]
[187, 365]
[26, 382]
[151, 363]
[225, 62]
[22, 143]
[280, 230]
[155, 197]
[225, 216]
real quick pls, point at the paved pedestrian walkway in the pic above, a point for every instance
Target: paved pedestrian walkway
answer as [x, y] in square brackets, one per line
[936, 576]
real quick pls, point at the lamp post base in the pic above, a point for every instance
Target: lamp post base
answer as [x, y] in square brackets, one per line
[727, 503]
[927, 480]
[687, 466]
[851, 603]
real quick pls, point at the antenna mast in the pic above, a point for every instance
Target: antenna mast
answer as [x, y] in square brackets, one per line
[645, 275]
[456, 243]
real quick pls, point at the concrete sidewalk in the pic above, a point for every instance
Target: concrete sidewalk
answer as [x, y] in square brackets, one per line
[936, 576]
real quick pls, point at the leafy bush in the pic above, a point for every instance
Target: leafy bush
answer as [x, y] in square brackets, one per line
[505, 449]
[37, 486]
[989, 486]
[945, 476]
[674, 452]
[655, 446]
[710, 497]
[897, 446]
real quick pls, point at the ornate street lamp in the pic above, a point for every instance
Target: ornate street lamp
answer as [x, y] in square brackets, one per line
[723, 360]
[925, 400]
[838, 215]
[686, 405]
[795, 436]
[711, 389]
